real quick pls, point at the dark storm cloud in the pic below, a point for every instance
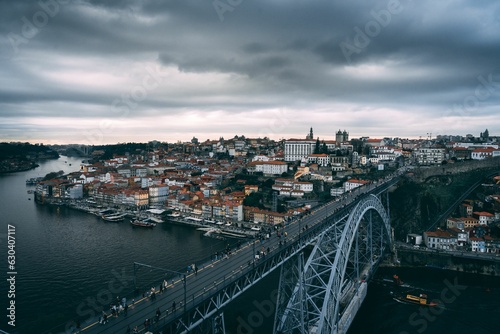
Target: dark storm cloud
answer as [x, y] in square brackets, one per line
[420, 57]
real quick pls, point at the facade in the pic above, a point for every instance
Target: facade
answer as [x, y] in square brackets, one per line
[354, 183]
[288, 187]
[478, 245]
[298, 149]
[158, 195]
[484, 153]
[320, 159]
[440, 240]
[484, 218]
[429, 156]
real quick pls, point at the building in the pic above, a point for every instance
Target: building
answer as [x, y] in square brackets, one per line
[354, 183]
[289, 187]
[440, 239]
[257, 215]
[298, 149]
[484, 218]
[320, 159]
[477, 244]
[469, 221]
[158, 195]
[429, 156]
[484, 153]
[341, 137]
[414, 239]
[268, 167]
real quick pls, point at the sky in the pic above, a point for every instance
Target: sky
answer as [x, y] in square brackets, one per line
[101, 72]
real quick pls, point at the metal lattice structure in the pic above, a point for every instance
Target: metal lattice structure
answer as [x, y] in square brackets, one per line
[349, 241]
[316, 297]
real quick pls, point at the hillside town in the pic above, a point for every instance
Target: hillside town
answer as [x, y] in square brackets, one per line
[470, 228]
[262, 181]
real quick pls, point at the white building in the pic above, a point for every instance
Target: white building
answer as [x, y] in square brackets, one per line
[298, 149]
[158, 195]
[354, 183]
[288, 187]
[75, 191]
[268, 167]
[429, 156]
[485, 218]
[484, 153]
[335, 192]
[320, 159]
[440, 240]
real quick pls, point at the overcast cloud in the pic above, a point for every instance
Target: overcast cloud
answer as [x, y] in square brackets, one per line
[96, 72]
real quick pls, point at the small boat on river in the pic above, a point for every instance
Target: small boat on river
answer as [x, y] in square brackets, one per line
[421, 300]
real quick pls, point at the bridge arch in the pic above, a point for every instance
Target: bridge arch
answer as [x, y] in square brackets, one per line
[344, 255]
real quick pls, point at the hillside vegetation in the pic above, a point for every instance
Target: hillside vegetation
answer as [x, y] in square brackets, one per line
[416, 206]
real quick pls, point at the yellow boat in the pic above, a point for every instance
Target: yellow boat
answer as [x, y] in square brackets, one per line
[418, 300]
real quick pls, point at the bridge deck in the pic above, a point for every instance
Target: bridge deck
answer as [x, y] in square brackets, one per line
[214, 276]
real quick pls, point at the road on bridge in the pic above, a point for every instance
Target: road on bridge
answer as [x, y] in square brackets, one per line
[213, 275]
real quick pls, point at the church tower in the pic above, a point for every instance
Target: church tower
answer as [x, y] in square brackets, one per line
[346, 136]
[310, 135]
[339, 138]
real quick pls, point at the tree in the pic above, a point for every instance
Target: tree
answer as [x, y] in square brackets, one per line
[486, 135]
[317, 147]
[324, 148]
[254, 200]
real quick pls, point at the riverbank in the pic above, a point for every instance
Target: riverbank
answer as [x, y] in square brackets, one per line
[217, 230]
[467, 262]
[7, 166]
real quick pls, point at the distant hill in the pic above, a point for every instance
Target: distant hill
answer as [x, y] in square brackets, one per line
[16, 157]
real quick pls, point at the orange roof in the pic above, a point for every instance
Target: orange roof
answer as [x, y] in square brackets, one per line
[484, 213]
[358, 181]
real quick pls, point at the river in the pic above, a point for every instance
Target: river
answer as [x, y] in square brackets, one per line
[70, 263]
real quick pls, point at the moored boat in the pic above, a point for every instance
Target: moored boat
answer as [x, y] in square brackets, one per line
[143, 223]
[114, 217]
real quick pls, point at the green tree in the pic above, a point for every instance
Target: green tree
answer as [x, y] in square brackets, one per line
[324, 148]
[317, 147]
[254, 200]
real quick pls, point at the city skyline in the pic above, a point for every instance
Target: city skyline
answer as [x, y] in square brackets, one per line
[95, 73]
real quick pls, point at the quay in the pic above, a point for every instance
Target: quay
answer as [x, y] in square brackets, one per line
[230, 231]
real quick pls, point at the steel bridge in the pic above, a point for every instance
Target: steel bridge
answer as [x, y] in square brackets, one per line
[320, 294]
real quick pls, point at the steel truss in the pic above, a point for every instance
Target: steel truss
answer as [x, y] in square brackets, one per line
[313, 296]
[204, 313]
[209, 305]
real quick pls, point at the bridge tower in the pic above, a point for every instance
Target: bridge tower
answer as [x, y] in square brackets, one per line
[323, 294]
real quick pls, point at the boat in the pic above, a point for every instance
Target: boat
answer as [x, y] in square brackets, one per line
[143, 223]
[397, 280]
[156, 220]
[421, 300]
[117, 217]
[212, 233]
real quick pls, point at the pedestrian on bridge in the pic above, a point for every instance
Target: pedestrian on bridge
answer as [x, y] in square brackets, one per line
[158, 314]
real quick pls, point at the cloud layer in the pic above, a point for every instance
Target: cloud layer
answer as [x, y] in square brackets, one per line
[99, 72]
